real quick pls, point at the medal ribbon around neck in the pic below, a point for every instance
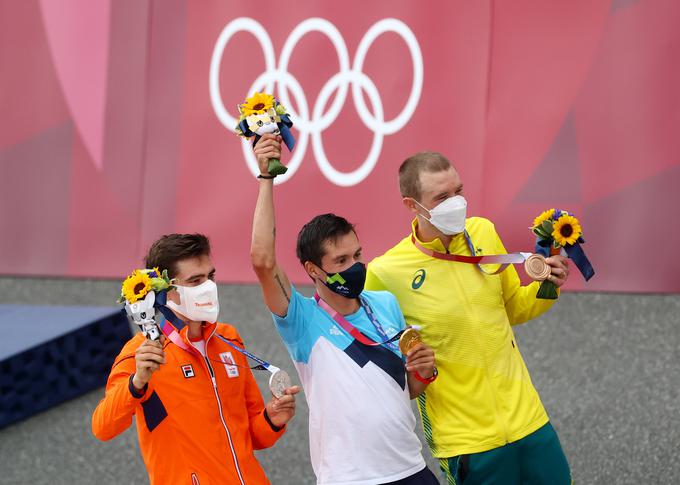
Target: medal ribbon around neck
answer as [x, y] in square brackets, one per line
[171, 325]
[504, 260]
[263, 364]
[279, 379]
[354, 332]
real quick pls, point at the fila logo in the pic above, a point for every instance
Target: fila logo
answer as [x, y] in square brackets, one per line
[227, 358]
[188, 371]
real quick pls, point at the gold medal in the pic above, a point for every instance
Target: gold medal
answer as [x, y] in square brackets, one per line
[408, 339]
[536, 267]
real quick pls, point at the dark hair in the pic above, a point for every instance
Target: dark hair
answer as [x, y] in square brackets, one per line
[171, 248]
[410, 170]
[313, 235]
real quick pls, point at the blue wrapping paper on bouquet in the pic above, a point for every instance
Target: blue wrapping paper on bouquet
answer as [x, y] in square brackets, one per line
[555, 230]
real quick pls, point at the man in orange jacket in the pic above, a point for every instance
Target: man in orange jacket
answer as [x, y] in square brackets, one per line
[199, 412]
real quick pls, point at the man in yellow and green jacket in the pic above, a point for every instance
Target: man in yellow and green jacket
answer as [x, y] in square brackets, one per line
[483, 417]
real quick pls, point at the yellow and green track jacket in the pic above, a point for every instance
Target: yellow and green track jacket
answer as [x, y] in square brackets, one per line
[483, 397]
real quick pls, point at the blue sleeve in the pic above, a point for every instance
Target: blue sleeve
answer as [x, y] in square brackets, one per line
[396, 315]
[293, 326]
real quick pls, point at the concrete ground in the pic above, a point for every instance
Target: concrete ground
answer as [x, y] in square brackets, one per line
[607, 367]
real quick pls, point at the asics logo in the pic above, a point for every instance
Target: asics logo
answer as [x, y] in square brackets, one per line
[418, 279]
[311, 126]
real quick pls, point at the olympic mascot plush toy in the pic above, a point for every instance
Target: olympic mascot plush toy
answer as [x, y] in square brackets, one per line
[143, 292]
[262, 114]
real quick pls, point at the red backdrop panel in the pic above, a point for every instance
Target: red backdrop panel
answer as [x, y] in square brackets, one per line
[117, 125]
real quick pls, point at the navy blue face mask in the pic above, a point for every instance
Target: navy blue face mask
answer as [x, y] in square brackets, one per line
[348, 283]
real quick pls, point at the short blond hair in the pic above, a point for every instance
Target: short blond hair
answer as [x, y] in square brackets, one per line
[413, 166]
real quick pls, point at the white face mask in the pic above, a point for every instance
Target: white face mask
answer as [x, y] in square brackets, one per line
[448, 216]
[198, 303]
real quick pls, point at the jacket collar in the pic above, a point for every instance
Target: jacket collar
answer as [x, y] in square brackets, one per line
[436, 244]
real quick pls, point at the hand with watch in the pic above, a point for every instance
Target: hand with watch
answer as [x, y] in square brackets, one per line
[267, 147]
[420, 362]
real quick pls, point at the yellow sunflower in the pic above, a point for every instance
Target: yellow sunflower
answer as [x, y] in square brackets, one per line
[136, 286]
[566, 230]
[257, 104]
[545, 215]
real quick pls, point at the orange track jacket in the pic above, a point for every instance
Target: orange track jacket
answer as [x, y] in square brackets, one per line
[198, 420]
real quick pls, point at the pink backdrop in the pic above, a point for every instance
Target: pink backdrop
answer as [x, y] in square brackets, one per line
[110, 136]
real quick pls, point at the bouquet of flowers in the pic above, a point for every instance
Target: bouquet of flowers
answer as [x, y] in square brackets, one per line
[559, 231]
[141, 292]
[141, 282]
[262, 114]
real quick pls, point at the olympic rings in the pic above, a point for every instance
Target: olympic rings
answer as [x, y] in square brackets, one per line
[313, 126]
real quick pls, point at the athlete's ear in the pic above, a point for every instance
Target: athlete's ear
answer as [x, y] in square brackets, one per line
[173, 296]
[312, 270]
[410, 204]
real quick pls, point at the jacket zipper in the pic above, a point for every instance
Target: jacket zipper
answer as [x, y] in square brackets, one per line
[499, 418]
[219, 407]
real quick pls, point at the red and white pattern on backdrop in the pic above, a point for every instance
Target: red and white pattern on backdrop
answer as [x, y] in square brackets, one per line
[117, 127]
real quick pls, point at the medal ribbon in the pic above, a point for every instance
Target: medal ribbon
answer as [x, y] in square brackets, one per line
[503, 259]
[171, 325]
[263, 364]
[353, 331]
[171, 331]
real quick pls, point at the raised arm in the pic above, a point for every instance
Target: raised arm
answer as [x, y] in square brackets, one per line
[274, 282]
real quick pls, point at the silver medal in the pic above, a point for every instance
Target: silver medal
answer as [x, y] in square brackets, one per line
[279, 382]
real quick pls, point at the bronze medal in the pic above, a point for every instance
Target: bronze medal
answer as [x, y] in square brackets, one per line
[536, 267]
